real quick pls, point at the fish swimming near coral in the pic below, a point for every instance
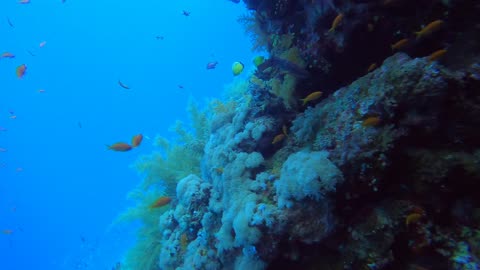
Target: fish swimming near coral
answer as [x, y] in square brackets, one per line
[237, 68]
[336, 22]
[120, 147]
[437, 55]
[278, 138]
[20, 71]
[7, 55]
[371, 121]
[258, 60]
[430, 28]
[284, 130]
[162, 201]
[136, 140]
[372, 67]
[287, 66]
[310, 97]
[402, 43]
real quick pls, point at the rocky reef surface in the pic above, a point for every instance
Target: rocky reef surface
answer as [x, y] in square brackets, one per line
[381, 172]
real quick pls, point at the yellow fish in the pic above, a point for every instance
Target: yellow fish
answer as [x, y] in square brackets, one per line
[336, 22]
[311, 97]
[278, 138]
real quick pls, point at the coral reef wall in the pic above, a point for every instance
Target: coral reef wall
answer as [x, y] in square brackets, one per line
[381, 170]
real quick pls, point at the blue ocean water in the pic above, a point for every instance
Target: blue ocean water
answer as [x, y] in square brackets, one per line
[60, 188]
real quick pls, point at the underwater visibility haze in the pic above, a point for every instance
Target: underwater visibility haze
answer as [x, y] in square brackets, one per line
[59, 183]
[230, 134]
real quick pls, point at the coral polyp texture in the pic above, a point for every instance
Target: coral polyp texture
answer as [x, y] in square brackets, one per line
[380, 171]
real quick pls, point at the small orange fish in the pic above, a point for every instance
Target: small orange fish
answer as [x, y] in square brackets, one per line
[13, 117]
[42, 44]
[412, 218]
[136, 140]
[219, 170]
[371, 121]
[371, 67]
[284, 130]
[20, 71]
[24, 1]
[7, 55]
[437, 55]
[336, 22]
[120, 147]
[278, 138]
[7, 232]
[402, 43]
[311, 97]
[41, 90]
[430, 28]
[162, 201]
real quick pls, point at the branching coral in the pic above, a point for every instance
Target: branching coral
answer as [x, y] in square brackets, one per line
[253, 28]
[176, 160]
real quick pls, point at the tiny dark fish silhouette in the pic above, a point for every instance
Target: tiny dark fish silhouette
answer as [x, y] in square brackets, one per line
[123, 85]
[185, 13]
[79, 124]
[10, 23]
[212, 65]
[180, 86]
[159, 37]
[29, 52]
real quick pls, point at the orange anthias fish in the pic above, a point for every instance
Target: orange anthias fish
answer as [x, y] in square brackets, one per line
[278, 138]
[371, 67]
[437, 55]
[162, 201]
[336, 22]
[42, 44]
[24, 1]
[311, 97]
[402, 43]
[7, 55]
[120, 147]
[136, 140]
[20, 71]
[430, 28]
[7, 232]
[371, 121]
